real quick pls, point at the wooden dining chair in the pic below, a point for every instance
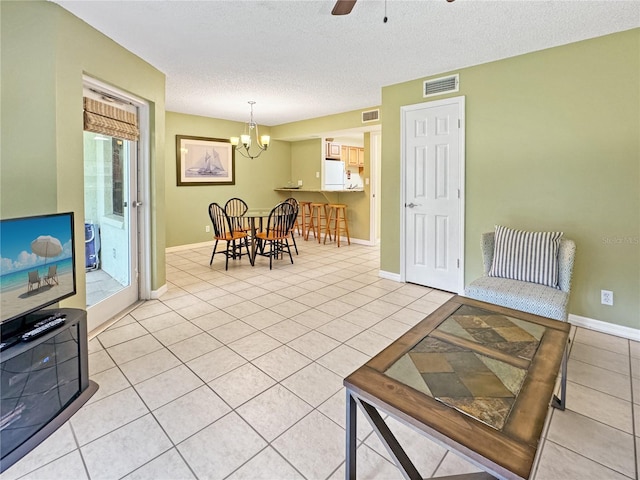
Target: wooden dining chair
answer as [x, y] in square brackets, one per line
[235, 208]
[223, 230]
[296, 207]
[274, 240]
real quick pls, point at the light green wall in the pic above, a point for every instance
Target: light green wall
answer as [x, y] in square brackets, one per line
[187, 206]
[306, 158]
[552, 143]
[45, 52]
[28, 110]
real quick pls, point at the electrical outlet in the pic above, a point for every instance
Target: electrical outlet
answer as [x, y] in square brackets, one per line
[207, 228]
[317, 174]
[606, 297]
[299, 183]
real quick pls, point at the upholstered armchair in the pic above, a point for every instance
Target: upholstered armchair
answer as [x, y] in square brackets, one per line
[544, 300]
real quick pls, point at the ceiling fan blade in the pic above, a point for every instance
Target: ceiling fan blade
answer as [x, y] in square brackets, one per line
[343, 7]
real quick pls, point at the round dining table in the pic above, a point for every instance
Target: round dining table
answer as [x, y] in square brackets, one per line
[254, 216]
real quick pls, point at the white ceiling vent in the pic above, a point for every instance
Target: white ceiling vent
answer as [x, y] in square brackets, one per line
[371, 115]
[439, 86]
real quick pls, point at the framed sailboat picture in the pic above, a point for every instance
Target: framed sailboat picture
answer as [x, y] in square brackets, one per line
[204, 161]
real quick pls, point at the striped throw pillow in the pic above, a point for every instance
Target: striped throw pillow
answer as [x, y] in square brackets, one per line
[526, 256]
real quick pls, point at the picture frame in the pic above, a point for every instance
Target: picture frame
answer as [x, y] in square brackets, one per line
[204, 161]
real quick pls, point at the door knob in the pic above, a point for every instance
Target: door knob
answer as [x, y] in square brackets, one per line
[411, 205]
[137, 204]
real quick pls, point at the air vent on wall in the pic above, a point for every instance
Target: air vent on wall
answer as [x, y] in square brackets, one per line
[371, 115]
[439, 86]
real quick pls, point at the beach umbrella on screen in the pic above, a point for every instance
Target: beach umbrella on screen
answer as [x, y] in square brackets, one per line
[46, 246]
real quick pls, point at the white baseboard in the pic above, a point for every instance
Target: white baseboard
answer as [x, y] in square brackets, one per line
[190, 246]
[359, 241]
[155, 294]
[389, 275]
[344, 241]
[605, 327]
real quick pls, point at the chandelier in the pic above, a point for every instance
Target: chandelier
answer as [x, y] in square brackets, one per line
[243, 142]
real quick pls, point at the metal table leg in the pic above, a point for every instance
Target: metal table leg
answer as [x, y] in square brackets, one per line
[556, 402]
[352, 412]
[403, 462]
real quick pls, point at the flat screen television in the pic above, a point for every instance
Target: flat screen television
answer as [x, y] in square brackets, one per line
[37, 266]
[43, 380]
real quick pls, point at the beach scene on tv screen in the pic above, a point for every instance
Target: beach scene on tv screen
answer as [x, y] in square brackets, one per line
[36, 265]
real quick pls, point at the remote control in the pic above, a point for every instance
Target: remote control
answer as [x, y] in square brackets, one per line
[42, 329]
[50, 318]
[9, 343]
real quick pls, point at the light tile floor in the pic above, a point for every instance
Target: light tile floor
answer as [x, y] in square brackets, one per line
[238, 374]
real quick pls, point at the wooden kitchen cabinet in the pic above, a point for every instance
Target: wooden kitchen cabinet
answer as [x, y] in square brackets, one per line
[333, 150]
[353, 156]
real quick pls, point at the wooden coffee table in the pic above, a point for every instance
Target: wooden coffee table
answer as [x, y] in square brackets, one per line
[475, 377]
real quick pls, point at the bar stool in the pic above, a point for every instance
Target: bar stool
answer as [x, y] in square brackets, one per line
[303, 213]
[337, 213]
[317, 216]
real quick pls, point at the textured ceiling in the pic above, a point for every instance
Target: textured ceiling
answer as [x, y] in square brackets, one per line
[297, 61]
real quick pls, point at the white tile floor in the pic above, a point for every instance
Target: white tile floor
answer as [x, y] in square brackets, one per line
[239, 374]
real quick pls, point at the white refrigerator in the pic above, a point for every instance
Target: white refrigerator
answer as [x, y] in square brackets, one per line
[333, 175]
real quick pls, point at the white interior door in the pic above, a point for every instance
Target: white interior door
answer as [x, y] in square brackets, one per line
[433, 194]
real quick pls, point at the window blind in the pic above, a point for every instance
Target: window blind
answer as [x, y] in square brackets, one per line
[108, 120]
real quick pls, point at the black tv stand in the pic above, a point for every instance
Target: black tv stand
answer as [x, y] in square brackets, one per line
[44, 381]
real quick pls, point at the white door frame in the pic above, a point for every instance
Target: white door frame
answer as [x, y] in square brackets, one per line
[143, 194]
[460, 101]
[375, 139]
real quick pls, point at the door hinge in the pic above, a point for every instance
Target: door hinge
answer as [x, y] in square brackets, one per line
[458, 263]
[459, 123]
[458, 193]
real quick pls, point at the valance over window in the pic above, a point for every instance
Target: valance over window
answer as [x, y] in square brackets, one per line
[108, 120]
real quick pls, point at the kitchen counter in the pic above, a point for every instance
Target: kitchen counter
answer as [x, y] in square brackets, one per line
[330, 195]
[318, 190]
